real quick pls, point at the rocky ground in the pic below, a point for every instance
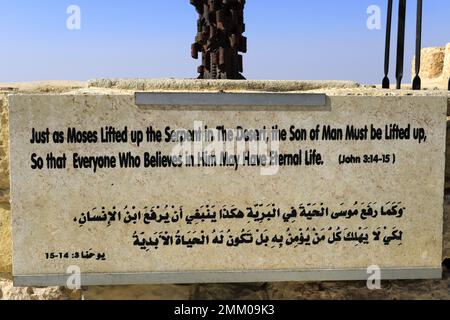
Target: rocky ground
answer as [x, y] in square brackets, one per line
[391, 290]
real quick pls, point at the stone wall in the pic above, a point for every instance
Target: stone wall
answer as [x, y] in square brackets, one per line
[330, 290]
[5, 216]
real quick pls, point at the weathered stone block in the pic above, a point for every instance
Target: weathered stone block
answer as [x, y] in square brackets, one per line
[48, 202]
[432, 63]
[435, 67]
[446, 70]
[350, 290]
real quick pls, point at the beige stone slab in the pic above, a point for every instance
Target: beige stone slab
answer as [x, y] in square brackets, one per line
[45, 203]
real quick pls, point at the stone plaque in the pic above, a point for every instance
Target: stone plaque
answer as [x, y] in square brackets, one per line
[175, 188]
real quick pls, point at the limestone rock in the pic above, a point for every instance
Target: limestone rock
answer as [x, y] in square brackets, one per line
[432, 62]
[247, 291]
[4, 195]
[446, 71]
[5, 239]
[8, 292]
[435, 67]
[390, 290]
[150, 292]
[4, 163]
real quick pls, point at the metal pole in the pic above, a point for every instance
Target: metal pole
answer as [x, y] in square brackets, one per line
[401, 42]
[417, 83]
[386, 82]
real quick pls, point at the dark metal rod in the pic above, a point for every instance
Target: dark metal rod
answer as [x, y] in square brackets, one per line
[386, 82]
[401, 42]
[417, 83]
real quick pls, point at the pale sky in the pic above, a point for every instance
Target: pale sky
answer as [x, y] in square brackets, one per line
[287, 39]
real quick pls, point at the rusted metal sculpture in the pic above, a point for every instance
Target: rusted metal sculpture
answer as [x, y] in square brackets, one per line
[219, 38]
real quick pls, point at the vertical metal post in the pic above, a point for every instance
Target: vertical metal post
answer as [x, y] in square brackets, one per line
[387, 51]
[401, 42]
[417, 83]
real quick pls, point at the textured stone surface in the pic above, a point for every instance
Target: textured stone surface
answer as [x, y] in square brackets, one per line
[216, 85]
[151, 292]
[5, 213]
[435, 67]
[4, 140]
[249, 291]
[391, 290]
[447, 228]
[9, 292]
[42, 86]
[447, 163]
[5, 238]
[4, 195]
[446, 71]
[432, 63]
[42, 201]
